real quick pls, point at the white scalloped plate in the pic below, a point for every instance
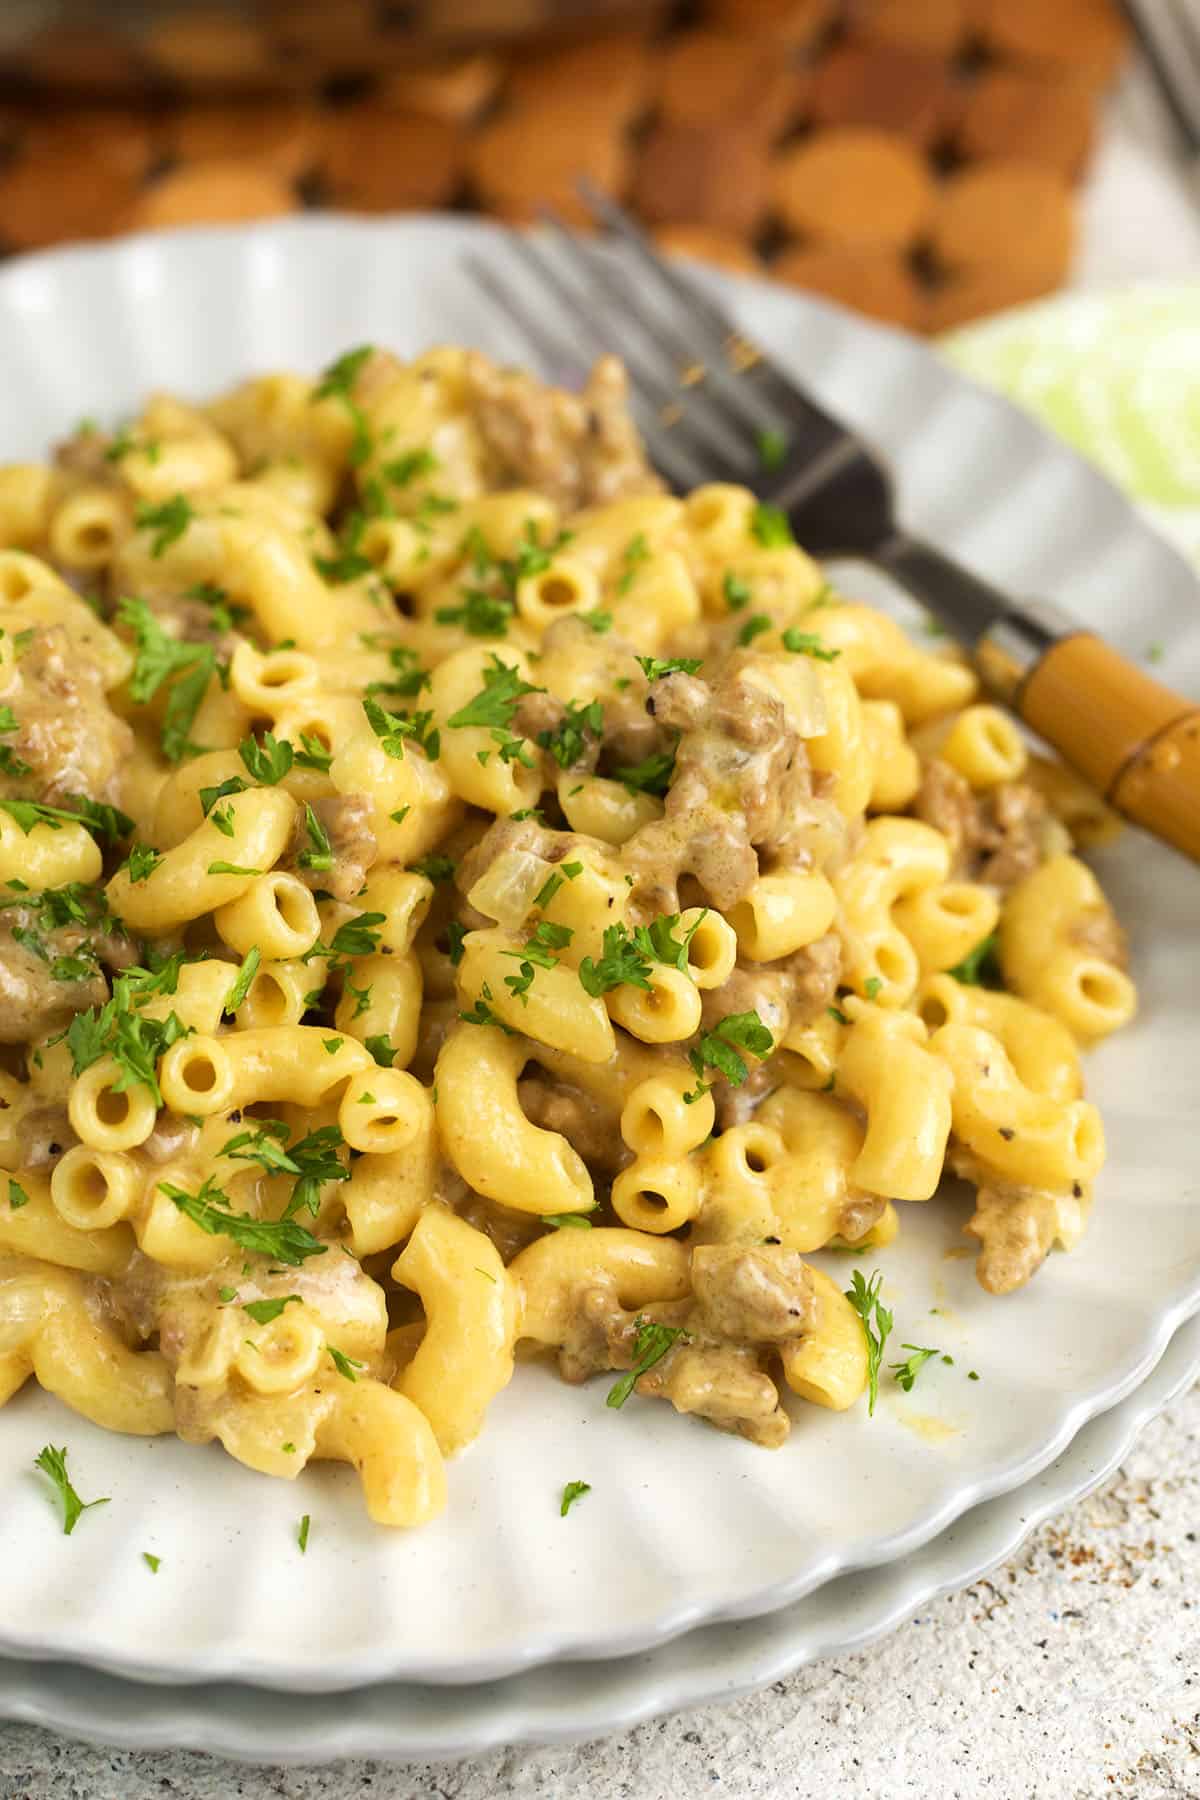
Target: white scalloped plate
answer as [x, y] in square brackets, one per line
[682, 1526]
[574, 1701]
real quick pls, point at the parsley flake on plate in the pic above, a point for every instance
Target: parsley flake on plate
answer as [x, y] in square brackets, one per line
[53, 1463]
[906, 1372]
[877, 1322]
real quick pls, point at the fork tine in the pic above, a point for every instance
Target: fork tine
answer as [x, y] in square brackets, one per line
[671, 338]
[554, 352]
[775, 401]
[556, 357]
[672, 457]
[1162, 51]
[705, 419]
[682, 290]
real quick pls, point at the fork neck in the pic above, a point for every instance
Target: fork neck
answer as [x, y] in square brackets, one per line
[1007, 638]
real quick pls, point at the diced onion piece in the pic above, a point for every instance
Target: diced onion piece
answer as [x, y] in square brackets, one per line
[506, 889]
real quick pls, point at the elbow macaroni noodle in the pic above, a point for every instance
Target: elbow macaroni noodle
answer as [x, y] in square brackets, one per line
[521, 919]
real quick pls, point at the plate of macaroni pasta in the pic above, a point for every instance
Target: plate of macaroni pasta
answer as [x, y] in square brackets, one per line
[523, 997]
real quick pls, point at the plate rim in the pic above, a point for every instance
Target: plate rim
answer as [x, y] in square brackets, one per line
[217, 1664]
[584, 1700]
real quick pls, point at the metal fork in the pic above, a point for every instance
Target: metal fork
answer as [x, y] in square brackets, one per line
[1168, 32]
[715, 408]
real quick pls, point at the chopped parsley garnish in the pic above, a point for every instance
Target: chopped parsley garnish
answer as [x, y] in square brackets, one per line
[160, 657]
[650, 1344]
[772, 447]
[116, 1029]
[345, 1365]
[319, 853]
[622, 962]
[552, 883]
[836, 1013]
[981, 966]
[906, 1372]
[573, 1491]
[315, 1156]
[53, 1463]
[226, 613]
[770, 526]
[493, 707]
[10, 762]
[143, 860]
[222, 818]
[877, 1323]
[383, 1052]
[281, 1239]
[403, 469]
[228, 868]
[597, 621]
[567, 1221]
[635, 553]
[264, 1311]
[541, 949]
[755, 625]
[407, 677]
[266, 762]
[337, 383]
[807, 643]
[125, 443]
[435, 868]
[103, 821]
[153, 1563]
[653, 776]
[394, 730]
[233, 784]
[358, 936]
[332, 1045]
[312, 753]
[241, 983]
[489, 603]
[871, 986]
[302, 1533]
[349, 563]
[568, 741]
[263, 1146]
[722, 1049]
[482, 1014]
[17, 1197]
[480, 614]
[360, 995]
[658, 939]
[655, 667]
[455, 933]
[167, 521]
[736, 591]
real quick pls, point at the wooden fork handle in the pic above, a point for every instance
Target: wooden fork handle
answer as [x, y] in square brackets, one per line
[1131, 736]
[1126, 733]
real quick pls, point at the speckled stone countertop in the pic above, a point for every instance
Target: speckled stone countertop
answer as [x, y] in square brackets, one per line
[1071, 1673]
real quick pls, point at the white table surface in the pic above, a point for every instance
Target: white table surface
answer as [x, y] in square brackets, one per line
[1071, 1674]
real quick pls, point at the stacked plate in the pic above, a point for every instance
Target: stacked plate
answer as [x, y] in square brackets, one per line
[503, 1621]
